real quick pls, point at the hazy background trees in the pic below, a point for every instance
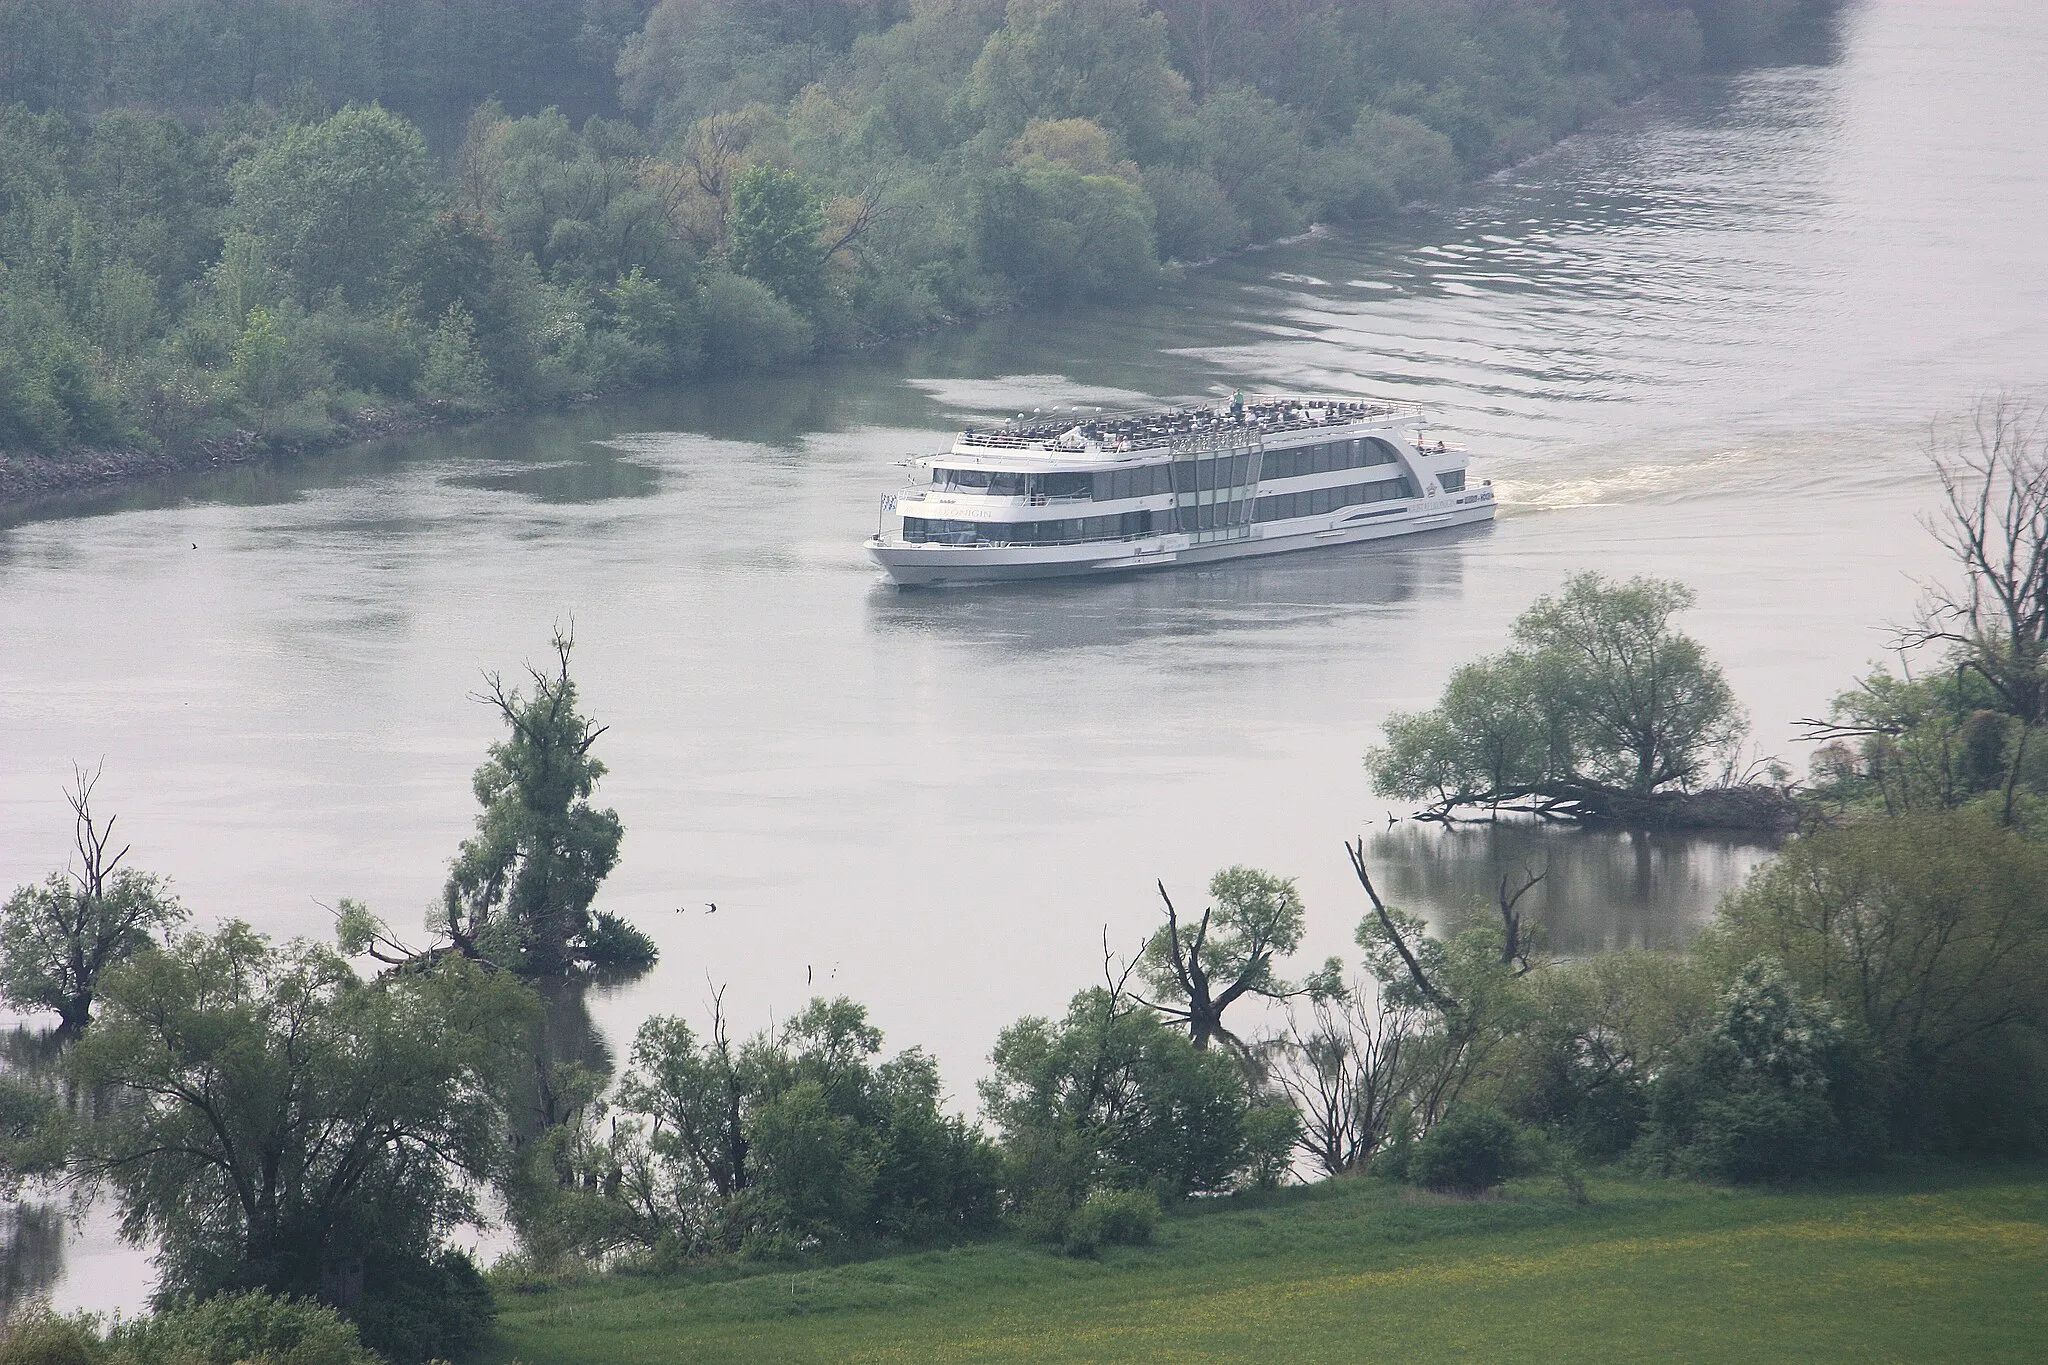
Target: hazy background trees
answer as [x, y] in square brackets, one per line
[221, 217]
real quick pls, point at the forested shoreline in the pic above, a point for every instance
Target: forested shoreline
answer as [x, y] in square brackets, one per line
[229, 227]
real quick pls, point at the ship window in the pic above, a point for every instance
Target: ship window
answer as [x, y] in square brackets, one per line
[1006, 485]
[1451, 481]
[1067, 485]
[1381, 451]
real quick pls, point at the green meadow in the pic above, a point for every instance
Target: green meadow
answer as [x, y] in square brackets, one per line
[1941, 1265]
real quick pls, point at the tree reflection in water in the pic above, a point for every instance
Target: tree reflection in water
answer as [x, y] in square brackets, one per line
[33, 1232]
[1606, 888]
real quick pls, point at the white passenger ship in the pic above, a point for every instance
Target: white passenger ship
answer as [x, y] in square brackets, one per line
[1100, 493]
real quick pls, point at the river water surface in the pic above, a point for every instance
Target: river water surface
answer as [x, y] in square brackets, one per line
[1703, 341]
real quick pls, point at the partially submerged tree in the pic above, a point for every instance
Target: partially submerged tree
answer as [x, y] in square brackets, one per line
[520, 890]
[59, 938]
[1601, 709]
[1200, 970]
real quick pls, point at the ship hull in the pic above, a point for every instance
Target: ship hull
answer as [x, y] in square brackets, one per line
[926, 565]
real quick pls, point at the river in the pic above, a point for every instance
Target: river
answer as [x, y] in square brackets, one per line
[1704, 341]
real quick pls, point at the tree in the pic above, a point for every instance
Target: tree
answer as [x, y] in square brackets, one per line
[519, 892]
[1098, 59]
[774, 227]
[1993, 468]
[1349, 1071]
[1928, 934]
[336, 203]
[1057, 235]
[286, 1125]
[1112, 1096]
[1202, 970]
[1966, 732]
[58, 939]
[795, 1138]
[1768, 1089]
[1600, 709]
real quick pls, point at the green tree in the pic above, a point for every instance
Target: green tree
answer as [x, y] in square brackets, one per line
[1769, 1089]
[1104, 60]
[795, 1138]
[286, 1125]
[1928, 934]
[774, 226]
[1599, 709]
[1112, 1096]
[1202, 969]
[520, 890]
[1058, 235]
[1653, 709]
[59, 939]
[336, 203]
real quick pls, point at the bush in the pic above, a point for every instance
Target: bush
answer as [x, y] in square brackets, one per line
[746, 327]
[241, 1327]
[1770, 1089]
[39, 1337]
[1469, 1152]
[1111, 1218]
[420, 1308]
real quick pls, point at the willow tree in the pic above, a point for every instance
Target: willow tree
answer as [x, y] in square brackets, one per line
[1600, 707]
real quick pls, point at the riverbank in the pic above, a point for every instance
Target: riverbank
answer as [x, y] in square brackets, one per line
[27, 477]
[1937, 1266]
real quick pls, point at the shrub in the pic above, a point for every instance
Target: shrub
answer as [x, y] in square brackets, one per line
[1470, 1151]
[241, 1327]
[40, 1337]
[1769, 1089]
[1111, 1218]
[746, 327]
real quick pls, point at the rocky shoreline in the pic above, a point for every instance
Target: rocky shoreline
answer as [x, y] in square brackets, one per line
[26, 477]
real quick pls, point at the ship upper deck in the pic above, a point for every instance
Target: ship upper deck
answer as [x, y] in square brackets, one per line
[1115, 436]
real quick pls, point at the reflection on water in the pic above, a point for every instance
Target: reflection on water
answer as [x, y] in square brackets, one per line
[33, 1232]
[1282, 593]
[1602, 889]
[32, 1241]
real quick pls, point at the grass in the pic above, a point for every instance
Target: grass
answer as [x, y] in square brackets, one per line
[1949, 1266]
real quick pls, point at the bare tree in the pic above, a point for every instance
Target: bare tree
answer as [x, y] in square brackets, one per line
[1993, 468]
[1517, 937]
[1347, 1073]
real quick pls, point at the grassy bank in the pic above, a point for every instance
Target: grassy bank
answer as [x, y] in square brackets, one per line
[1935, 1267]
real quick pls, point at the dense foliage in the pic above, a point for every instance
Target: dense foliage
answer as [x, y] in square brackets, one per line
[285, 1125]
[792, 1141]
[220, 221]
